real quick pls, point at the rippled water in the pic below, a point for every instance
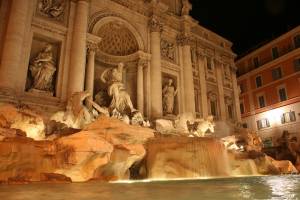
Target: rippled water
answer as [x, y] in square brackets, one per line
[271, 187]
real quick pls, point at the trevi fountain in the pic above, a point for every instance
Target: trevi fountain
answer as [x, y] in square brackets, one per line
[126, 99]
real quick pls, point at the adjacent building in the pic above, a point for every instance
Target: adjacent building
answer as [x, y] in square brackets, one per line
[51, 49]
[269, 80]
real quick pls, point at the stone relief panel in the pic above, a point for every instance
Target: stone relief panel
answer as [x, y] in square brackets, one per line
[227, 76]
[169, 95]
[210, 69]
[168, 51]
[43, 67]
[52, 9]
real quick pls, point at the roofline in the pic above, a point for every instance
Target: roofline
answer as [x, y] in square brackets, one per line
[291, 32]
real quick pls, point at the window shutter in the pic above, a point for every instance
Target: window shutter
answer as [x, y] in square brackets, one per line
[292, 116]
[267, 122]
[282, 119]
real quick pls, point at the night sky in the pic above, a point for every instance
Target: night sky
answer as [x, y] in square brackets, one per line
[247, 23]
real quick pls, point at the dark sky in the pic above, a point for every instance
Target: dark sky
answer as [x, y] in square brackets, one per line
[247, 23]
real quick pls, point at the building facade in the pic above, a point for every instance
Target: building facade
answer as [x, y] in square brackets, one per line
[269, 79]
[76, 40]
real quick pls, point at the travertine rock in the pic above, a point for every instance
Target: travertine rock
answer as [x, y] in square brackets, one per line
[184, 157]
[104, 150]
[24, 119]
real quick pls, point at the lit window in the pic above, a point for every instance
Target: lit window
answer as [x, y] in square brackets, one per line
[261, 101]
[297, 41]
[256, 62]
[288, 117]
[297, 65]
[263, 123]
[275, 53]
[282, 94]
[258, 81]
[276, 73]
[242, 108]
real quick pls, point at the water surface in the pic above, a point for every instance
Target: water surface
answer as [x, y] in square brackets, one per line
[270, 187]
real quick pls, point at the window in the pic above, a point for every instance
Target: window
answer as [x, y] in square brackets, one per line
[256, 62]
[276, 73]
[242, 108]
[258, 81]
[213, 108]
[288, 117]
[230, 112]
[268, 142]
[282, 94]
[261, 101]
[297, 65]
[275, 53]
[209, 64]
[297, 41]
[263, 123]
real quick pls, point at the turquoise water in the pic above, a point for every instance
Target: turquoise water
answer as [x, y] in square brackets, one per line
[271, 187]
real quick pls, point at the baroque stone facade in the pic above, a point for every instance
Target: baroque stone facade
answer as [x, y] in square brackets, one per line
[172, 65]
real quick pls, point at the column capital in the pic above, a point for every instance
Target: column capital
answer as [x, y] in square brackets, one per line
[92, 46]
[183, 39]
[142, 63]
[200, 53]
[155, 24]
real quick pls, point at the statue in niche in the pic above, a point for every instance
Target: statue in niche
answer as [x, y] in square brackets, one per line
[42, 69]
[52, 8]
[169, 93]
[120, 98]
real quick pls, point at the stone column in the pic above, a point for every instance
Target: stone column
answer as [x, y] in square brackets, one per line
[189, 93]
[78, 50]
[203, 89]
[236, 93]
[140, 85]
[90, 70]
[218, 66]
[13, 46]
[155, 71]
[251, 101]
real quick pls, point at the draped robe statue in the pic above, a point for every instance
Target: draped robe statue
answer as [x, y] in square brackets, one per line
[42, 70]
[120, 98]
[169, 94]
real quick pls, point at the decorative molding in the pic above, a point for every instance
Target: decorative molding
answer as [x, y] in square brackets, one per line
[155, 24]
[52, 28]
[183, 39]
[54, 9]
[212, 96]
[168, 50]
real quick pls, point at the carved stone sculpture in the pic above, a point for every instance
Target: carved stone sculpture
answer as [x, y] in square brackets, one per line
[120, 98]
[42, 70]
[76, 114]
[201, 126]
[169, 93]
[52, 8]
[168, 50]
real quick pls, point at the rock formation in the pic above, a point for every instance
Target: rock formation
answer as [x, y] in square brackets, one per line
[104, 150]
